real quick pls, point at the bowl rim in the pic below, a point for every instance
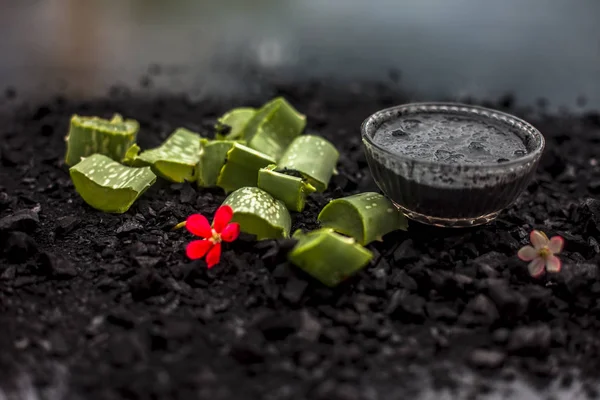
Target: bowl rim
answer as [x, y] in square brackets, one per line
[457, 107]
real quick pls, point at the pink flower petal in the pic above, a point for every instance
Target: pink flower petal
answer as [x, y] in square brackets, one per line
[214, 255]
[536, 267]
[222, 218]
[527, 253]
[199, 226]
[556, 244]
[553, 264]
[538, 239]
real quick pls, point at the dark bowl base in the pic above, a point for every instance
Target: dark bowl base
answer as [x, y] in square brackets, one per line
[448, 222]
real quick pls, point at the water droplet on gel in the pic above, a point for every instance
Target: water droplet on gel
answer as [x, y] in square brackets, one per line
[477, 146]
[520, 153]
[399, 133]
[448, 156]
[410, 124]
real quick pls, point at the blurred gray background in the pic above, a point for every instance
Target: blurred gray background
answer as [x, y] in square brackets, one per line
[442, 48]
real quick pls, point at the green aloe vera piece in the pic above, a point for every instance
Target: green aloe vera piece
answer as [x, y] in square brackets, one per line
[258, 213]
[176, 159]
[109, 186]
[237, 120]
[91, 135]
[212, 158]
[364, 216]
[274, 127]
[241, 168]
[327, 256]
[314, 157]
[291, 190]
[131, 156]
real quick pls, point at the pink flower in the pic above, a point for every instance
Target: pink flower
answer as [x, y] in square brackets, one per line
[542, 254]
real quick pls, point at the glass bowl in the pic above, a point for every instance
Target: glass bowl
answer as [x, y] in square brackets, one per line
[450, 194]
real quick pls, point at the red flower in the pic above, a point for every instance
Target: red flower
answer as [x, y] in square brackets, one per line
[221, 230]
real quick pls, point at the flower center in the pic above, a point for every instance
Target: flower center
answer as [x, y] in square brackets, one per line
[216, 237]
[545, 252]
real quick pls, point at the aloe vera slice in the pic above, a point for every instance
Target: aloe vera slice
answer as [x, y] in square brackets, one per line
[364, 216]
[241, 167]
[109, 186]
[291, 190]
[131, 156]
[237, 120]
[274, 127]
[212, 158]
[176, 159]
[314, 157]
[258, 213]
[328, 256]
[91, 135]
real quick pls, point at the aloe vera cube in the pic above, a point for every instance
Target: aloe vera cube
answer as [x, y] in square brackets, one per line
[94, 135]
[237, 120]
[109, 186]
[176, 159]
[365, 217]
[258, 213]
[241, 168]
[314, 157]
[327, 256]
[274, 127]
[291, 190]
[212, 158]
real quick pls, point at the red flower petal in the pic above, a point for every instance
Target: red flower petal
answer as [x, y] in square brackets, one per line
[214, 255]
[222, 218]
[198, 248]
[231, 232]
[199, 226]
